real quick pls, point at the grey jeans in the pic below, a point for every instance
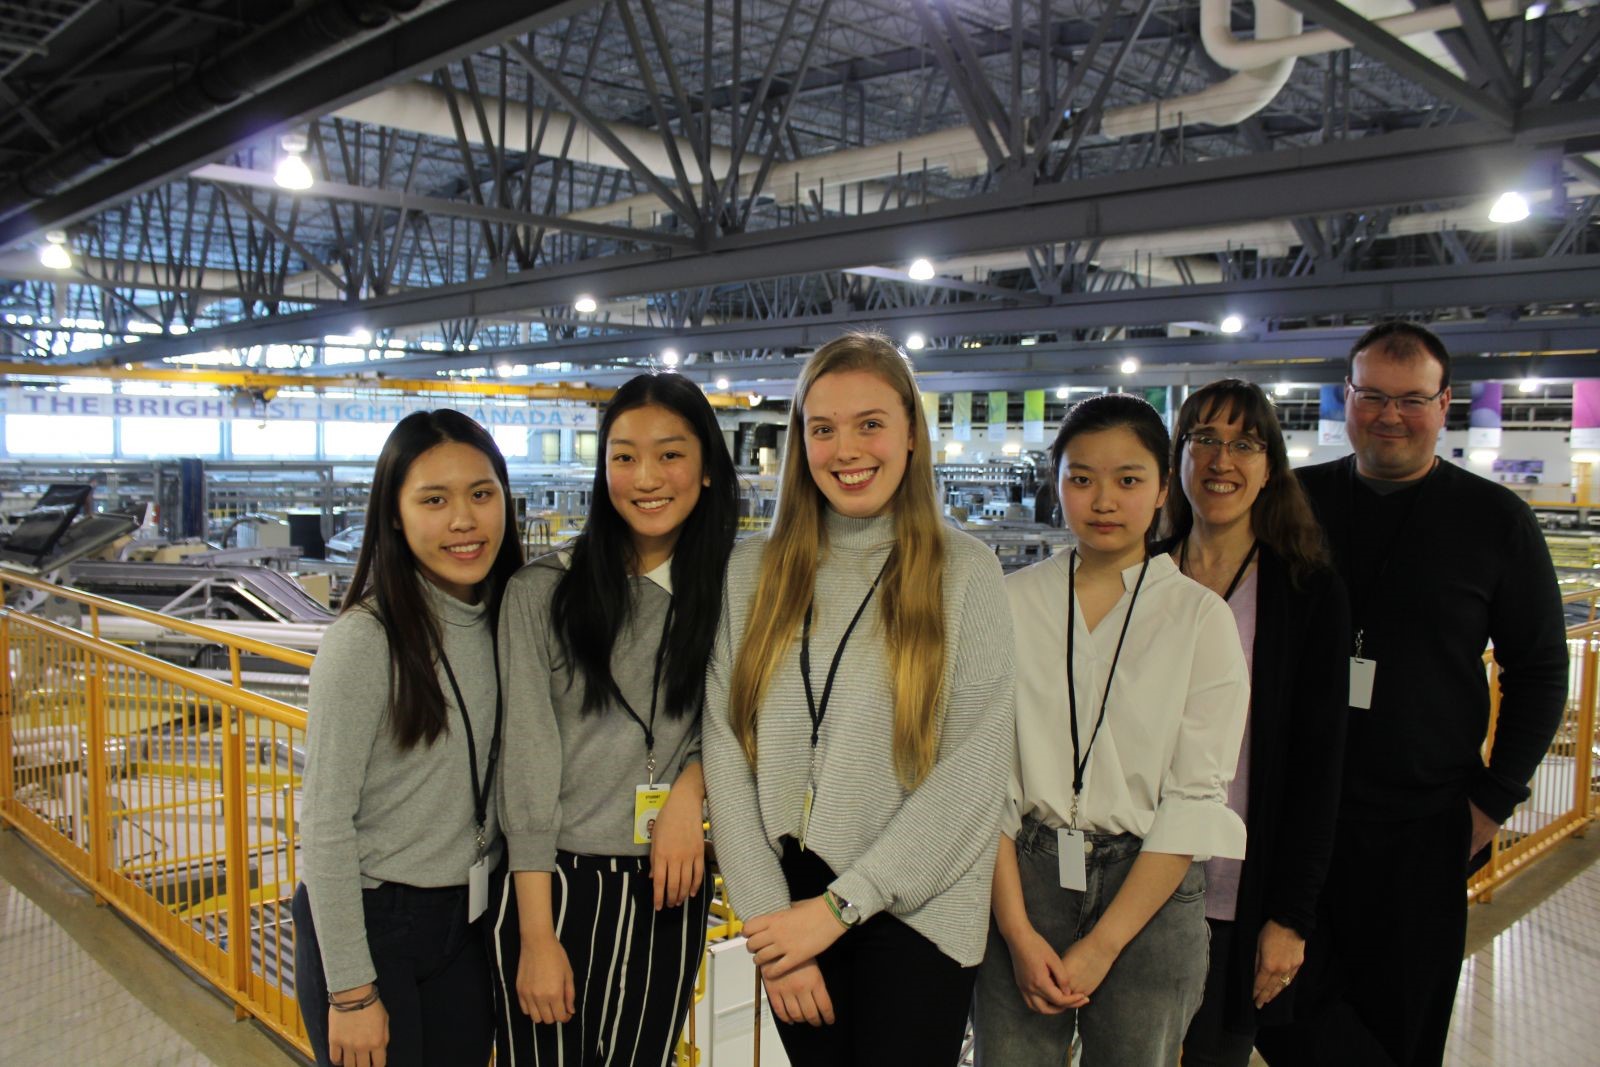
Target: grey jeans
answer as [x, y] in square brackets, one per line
[1138, 1015]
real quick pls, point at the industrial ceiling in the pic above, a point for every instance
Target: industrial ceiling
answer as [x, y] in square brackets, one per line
[733, 184]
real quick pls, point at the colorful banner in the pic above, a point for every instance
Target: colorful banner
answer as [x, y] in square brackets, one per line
[998, 403]
[1033, 416]
[961, 416]
[1330, 416]
[387, 410]
[1157, 397]
[1586, 413]
[1483, 420]
[930, 411]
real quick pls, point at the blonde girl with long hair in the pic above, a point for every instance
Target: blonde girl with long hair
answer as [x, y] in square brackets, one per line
[858, 728]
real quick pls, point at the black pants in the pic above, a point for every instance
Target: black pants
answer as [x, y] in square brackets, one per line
[633, 968]
[1381, 969]
[896, 998]
[1211, 1042]
[433, 976]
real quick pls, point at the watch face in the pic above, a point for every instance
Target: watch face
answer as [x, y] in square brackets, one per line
[850, 913]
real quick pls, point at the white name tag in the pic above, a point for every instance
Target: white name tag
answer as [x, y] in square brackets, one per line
[477, 889]
[1363, 672]
[1070, 846]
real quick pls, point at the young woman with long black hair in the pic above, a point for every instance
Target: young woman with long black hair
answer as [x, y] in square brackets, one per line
[1131, 697]
[1243, 528]
[600, 927]
[398, 826]
[859, 728]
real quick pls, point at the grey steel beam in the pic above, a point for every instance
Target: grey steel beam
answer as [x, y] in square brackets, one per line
[1387, 292]
[1556, 76]
[1436, 164]
[402, 200]
[1301, 356]
[414, 48]
[1405, 60]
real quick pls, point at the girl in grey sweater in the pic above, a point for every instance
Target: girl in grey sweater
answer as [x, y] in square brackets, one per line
[859, 729]
[398, 830]
[600, 928]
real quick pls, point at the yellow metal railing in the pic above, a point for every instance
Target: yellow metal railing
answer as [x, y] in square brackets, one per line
[171, 795]
[1565, 792]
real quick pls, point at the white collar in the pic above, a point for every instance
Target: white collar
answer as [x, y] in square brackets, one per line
[662, 575]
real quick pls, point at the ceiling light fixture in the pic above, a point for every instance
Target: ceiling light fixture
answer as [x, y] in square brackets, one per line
[1062, 392]
[1129, 366]
[292, 172]
[722, 383]
[55, 253]
[1231, 324]
[916, 342]
[584, 305]
[669, 357]
[1511, 207]
[921, 270]
[1528, 385]
[1281, 389]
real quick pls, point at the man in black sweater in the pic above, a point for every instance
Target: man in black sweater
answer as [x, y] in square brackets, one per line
[1438, 563]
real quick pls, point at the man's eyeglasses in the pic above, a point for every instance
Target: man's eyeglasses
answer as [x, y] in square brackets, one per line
[1205, 444]
[1373, 401]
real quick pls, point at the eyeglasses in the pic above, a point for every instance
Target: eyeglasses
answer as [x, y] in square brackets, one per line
[1204, 444]
[1373, 401]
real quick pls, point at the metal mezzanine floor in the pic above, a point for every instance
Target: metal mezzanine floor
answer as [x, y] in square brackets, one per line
[80, 986]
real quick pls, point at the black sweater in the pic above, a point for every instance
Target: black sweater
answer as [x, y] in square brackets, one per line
[1435, 573]
[1297, 730]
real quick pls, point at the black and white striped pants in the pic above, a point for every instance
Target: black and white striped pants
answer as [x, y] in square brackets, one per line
[633, 967]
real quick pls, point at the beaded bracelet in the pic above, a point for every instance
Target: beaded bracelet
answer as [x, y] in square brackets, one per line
[355, 1005]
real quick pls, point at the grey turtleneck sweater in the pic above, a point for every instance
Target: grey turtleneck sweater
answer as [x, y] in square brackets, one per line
[372, 812]
[568, 778]
[926, 856]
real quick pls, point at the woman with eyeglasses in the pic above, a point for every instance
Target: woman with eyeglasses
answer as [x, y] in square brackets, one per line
[1243, 528]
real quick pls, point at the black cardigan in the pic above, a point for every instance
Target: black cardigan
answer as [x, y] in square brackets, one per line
[1466, 565]
[1298, 693]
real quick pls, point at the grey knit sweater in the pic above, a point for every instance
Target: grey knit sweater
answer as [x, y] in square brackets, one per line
[371, 812]
[568, 778]
[926, 857]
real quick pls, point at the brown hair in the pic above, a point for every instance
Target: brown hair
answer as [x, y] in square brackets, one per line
[1281, 517]
[911, 600]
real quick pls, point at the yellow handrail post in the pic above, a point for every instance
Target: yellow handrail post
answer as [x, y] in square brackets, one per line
[237, 870]
[8, 774]
[98, 783]
[1584, 737]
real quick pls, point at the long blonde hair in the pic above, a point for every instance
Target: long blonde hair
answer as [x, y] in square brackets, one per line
[912, 601]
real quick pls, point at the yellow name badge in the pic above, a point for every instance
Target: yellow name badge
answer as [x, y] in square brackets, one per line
[648, 800]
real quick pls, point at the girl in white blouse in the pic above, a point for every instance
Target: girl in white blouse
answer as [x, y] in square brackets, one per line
[1131, 699]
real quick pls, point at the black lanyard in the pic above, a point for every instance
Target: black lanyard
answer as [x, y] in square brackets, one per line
[1081, 763]
[1238, 575]
[818, 713]
[480, 793]
[655, 690]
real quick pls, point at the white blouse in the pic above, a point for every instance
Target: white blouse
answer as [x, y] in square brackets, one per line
[1170, 741]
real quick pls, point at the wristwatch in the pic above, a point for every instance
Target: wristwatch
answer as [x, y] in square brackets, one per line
[847, 913]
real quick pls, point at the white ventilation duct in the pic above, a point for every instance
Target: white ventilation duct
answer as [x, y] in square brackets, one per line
[1229, 101]
[1237, 53]
[1265, 62]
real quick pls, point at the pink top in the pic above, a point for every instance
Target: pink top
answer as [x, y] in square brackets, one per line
[1222, 876]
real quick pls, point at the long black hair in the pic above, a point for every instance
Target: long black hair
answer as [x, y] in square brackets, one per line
[386, 581]
[1109, 412]
[1281, 517]
[592, 601]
